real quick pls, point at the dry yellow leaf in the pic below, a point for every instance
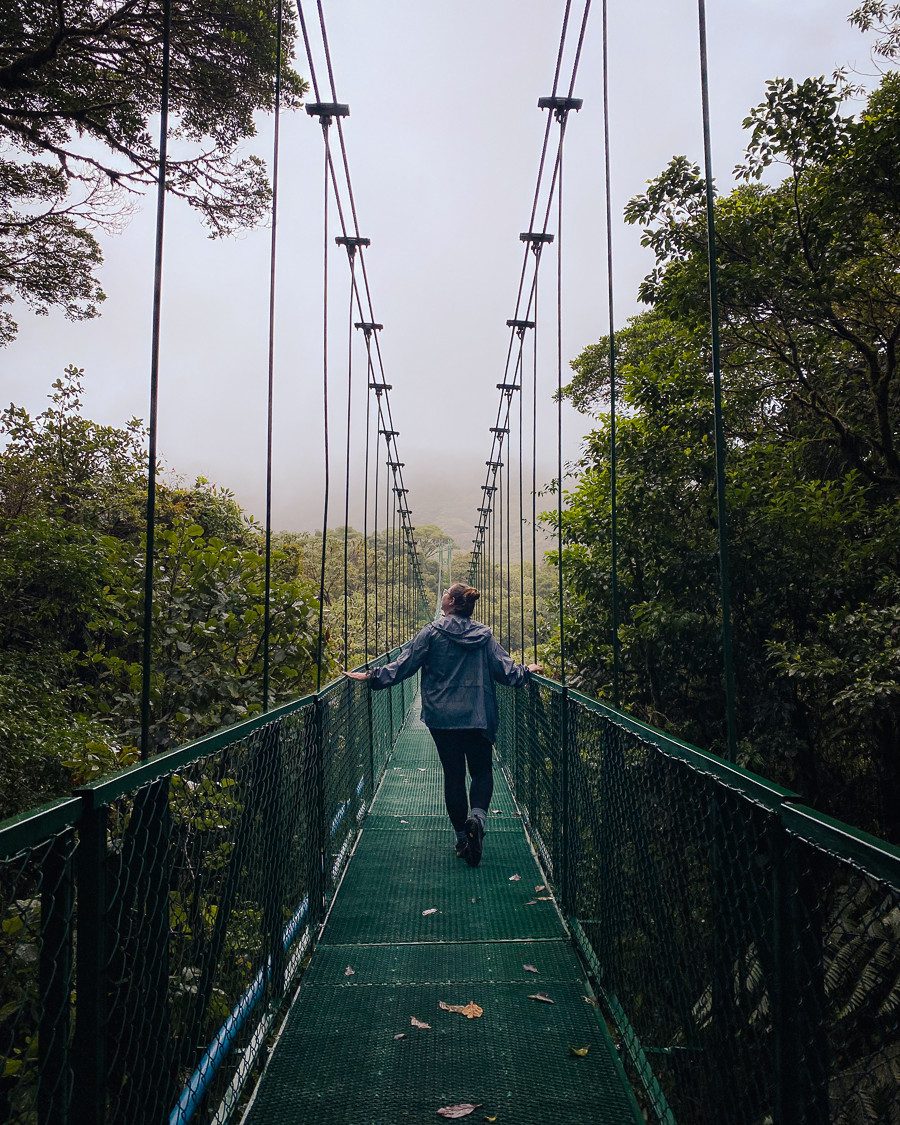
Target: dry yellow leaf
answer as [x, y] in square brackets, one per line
[418, 1023]
[494, 1118]
[471, 1010]
[579, 1052]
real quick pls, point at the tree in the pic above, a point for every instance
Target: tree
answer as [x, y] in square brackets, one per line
[810, 303]
[71, 595]
[79, 86]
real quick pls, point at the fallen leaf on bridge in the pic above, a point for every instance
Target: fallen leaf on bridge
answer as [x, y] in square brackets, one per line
[514, 878]
[471, 1010]
[591, 1000]
[418, 1023]
[541, 887]
[430, 910]
[400, 1035]
[529, 968]
[348, 972]
[461, 1110]
[531, 902]
[542, 996]
[579, 1052]
[544, 898]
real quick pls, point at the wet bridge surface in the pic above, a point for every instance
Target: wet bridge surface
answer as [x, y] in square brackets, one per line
[413, 926]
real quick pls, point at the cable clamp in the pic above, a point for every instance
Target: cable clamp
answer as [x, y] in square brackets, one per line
[327, 111]
[508, 388]
[352, 243]
[536, 240]
[561, 106]
[379, 387]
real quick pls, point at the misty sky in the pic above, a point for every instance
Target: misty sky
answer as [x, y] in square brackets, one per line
[443, 137]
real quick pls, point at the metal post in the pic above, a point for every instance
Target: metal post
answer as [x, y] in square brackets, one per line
[89, 1085]
[54, 980]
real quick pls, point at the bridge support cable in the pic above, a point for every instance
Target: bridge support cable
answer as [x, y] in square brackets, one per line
[721, 498]
[150, 547]
[614, 542]
[396, 613]
[270, 394]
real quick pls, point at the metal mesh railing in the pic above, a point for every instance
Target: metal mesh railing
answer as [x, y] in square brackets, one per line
[152, 926]
[745, 949]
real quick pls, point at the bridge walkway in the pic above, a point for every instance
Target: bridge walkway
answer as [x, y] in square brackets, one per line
[412, 926]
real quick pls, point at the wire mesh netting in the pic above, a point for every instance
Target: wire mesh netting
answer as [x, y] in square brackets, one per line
[148, 942]
[36, 943]
[746, 952]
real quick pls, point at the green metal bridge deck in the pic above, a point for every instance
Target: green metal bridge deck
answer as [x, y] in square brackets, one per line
[156, 929]
[339, 1058]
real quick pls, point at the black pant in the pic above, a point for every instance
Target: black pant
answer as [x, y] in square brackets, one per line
[456, 749]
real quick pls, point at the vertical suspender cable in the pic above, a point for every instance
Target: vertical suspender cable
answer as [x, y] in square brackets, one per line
[375, 520]
[508, 537]
[366, 504]
[150, 550]
[534, 342]
[499, 477]
[521, 507]
[387, 556]
[351, 251]
[267, 610]
[722, 510]
[614, 543]
[559, 415]
[320, 645]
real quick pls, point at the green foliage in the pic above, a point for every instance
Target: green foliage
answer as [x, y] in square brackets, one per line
[810, 307]
[79, 88]
[71, 602]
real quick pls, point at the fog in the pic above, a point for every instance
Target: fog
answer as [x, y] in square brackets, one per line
[443, 137]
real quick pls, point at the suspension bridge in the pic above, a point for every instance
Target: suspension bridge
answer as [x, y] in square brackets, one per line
[270, 924]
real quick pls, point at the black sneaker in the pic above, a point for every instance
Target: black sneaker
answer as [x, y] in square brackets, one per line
[462, 846]
[474, 841]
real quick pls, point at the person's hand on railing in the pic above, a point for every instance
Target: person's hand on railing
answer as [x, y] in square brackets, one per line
[539, 668]
[356, 675]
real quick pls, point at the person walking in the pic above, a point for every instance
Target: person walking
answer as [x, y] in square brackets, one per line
[461, 661]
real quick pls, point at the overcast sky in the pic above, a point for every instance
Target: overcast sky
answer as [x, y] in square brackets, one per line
[443, 138]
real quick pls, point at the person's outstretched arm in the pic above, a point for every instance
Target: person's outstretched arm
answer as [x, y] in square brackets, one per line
[504, 670]
[407, 663]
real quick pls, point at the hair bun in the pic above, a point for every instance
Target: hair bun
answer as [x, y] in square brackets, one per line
[464, 598]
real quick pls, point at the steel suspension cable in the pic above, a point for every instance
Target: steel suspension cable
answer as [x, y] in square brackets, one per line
[721, 498]
[521, 514]
[534, 383]
[559, 414]
[614, 544]
[267, 608]
[321, 637]
[150, 546]
[508, 545]
[351, 250]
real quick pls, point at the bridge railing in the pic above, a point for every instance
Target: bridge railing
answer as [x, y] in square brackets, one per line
[744, 947]
[152, 925]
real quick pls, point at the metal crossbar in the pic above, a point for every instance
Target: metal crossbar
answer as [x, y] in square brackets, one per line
[745, 947]
[151, 927]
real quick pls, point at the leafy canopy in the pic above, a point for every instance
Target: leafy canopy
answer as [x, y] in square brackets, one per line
[79, 92]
